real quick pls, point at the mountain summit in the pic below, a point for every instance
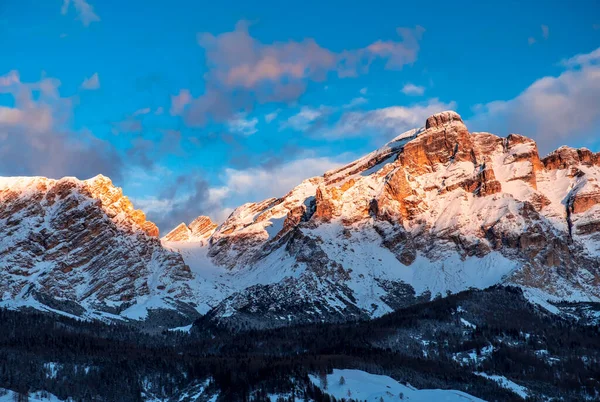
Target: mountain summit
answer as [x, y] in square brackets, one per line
[435, 211]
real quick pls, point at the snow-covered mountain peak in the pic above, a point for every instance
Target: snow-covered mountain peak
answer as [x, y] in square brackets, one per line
[439, 195]
[443, 118]
[80, 247]
[437, 209]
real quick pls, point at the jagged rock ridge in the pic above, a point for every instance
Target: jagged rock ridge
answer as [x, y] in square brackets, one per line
[80, 247]
[437, 209]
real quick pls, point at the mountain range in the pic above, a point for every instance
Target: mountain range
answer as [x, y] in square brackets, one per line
[435, 211]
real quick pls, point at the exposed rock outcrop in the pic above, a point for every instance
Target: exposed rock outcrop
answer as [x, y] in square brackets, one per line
[82, 241]
[200, 229]
[438, 209]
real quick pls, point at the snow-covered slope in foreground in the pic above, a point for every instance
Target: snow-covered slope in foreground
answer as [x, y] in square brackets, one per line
[362, 386]
[7, 395]
[436, 210]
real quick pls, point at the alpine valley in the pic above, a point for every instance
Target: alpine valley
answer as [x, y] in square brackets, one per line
[445, 265]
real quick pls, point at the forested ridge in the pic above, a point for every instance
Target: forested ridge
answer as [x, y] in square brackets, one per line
[439, 344]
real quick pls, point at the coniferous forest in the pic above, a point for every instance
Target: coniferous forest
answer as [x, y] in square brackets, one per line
[427, 345]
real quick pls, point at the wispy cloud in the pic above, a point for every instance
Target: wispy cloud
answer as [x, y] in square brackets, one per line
[545, 35]
[308, 117]
[413, 90]
[85, 11]
[189, 196]
[91, 83]
[382, 124]
[269, 117]
[545, 31]
[355, 102]
[241, 125]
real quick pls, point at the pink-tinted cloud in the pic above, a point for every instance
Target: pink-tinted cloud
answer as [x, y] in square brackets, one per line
[34, 139]
[180, 101]
[243, 72]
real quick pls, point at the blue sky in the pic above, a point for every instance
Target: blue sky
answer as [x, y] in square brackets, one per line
[195, 107]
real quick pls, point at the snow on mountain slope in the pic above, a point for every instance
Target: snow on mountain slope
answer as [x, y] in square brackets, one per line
[7, 395]
[363, 386]
[436, 210]
[80, 248]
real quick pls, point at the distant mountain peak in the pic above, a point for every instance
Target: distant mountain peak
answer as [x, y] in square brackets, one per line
[199, 229]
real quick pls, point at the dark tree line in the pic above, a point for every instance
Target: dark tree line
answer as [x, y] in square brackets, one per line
[426, 345]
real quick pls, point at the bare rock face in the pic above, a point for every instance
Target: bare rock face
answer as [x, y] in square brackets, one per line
[437, 209]
[437, 196]
[82, 241]
[488, 184]
[200, 229]
[583, 202]
[524, 157]
[181, 233]
[394, 202]
[118, 207]
[442, 119]
[446, 138]
[566, 157]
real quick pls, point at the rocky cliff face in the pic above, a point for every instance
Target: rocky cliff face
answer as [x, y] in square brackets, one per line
[437, 210]
[80, 247]
[199, 230]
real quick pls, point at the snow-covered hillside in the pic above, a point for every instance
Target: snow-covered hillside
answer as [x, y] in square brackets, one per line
[363, 386]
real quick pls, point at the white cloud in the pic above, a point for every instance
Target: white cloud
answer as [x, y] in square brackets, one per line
[363, 91]
[141, 112]
[553, 110]
[531, 40]
[413, 90]
[256, 184]
[306, 118]
[242, 71]
[582, 59]
[85, 12]
[356, 102]
[269, 117]
[237, 186]
[386, 122]
[91, 83]
[545, 31]
[241, 125]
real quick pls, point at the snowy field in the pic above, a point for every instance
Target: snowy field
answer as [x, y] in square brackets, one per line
[363, 386]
